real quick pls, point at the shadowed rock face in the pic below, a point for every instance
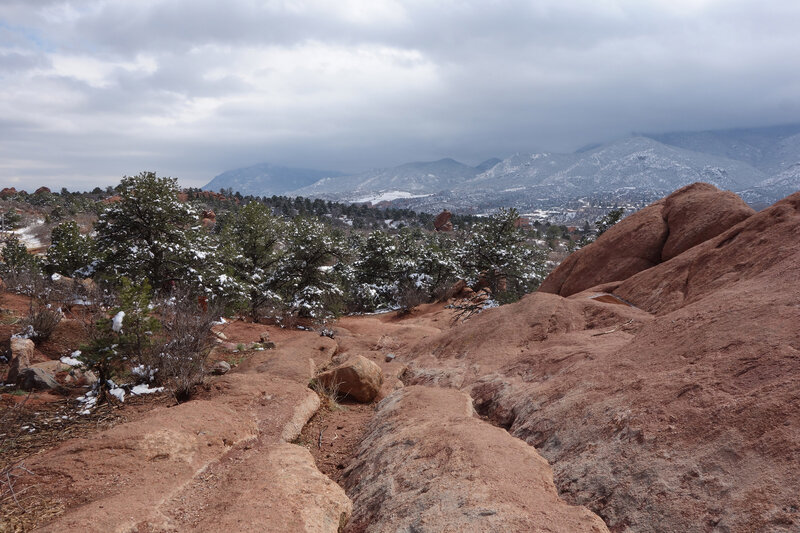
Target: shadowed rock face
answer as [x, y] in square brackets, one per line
[427, 464]
[657, 233]
[679, 414]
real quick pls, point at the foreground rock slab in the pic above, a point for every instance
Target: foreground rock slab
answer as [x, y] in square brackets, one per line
[427, 464]
[219, 463]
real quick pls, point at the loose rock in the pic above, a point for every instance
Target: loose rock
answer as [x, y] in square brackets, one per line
[358, 377]
[220, 368]
[21, 352]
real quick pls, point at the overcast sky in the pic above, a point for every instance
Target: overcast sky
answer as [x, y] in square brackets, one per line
[94, 90]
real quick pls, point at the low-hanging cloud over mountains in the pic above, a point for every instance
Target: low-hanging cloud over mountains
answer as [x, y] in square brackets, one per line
[94, 90]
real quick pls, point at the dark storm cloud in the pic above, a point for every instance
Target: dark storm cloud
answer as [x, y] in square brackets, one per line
[90, 91]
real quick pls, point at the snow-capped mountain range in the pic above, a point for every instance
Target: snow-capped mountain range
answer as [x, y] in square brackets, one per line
[762, 164]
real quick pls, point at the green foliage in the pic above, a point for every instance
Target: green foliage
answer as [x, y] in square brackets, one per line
[146, 235]
[307, 278]
[151, 235]
[70, 253]
[126, 335]
[16, 259]
[609, 220]
[402, 270]
[252, 246]
[11, 219]
[496, 255]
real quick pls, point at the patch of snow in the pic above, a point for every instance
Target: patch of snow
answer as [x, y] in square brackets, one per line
[388, 196]
[27, 333]
[145, 389]
[72, 359]
[26, 236]
[116, 322]
[118, 393]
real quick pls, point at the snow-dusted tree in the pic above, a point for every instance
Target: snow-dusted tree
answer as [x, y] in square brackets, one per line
[16, 258]
[402, 270]
[308, 275]
[151, 234]
[121, 338]
[496, 254]
[70, 253]
[253, 249]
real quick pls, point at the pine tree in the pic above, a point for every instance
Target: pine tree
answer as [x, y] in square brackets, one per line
[70, 253]
[253, 250]
[496, 254]
[149, 234]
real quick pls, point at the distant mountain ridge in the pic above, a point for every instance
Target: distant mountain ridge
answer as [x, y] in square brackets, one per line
[416, 178]
[265, 179]
[762, 164]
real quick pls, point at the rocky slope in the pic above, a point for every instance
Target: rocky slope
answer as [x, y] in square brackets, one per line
[663, 397]
[666, 401]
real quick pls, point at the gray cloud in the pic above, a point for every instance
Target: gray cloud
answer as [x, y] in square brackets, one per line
[90, 91]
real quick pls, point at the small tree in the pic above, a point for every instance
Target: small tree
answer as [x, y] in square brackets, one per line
[20, 270]
[496, 254]
[253, 250]
[308, 278]
[609, 220]
[70, 253]
[127, 335]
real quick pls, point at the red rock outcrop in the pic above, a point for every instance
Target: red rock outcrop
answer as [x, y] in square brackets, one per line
[442, 221]
[427, 464]
[657, 233]
[679, 414]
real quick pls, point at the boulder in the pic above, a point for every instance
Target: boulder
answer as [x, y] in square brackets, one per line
[21, 353]
[358, 378]
[78, 377]
[657, 233]
[697, 213]
[52, 367]
[36, 379]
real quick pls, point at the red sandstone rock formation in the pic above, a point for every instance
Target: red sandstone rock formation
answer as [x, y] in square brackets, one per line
[657, 233]
[677, 413]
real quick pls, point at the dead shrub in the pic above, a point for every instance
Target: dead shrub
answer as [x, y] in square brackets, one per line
[329, 394]
[43, 318]
[180, 355]
[409, 297]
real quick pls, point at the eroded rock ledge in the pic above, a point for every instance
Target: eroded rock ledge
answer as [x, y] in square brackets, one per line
[428, 464]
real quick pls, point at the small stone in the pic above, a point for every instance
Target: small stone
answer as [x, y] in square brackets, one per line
[269, 345]
[221, 367]
[390, 357]
[221, 335]
[264, 337]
